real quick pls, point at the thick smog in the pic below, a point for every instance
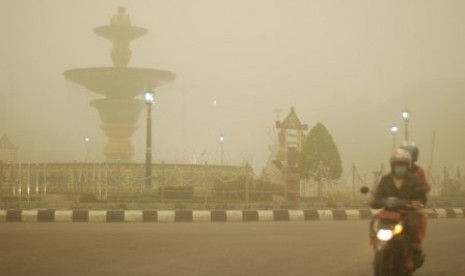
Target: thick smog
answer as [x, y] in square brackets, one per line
[232, 137]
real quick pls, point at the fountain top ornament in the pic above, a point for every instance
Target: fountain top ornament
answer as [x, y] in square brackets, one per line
[124, 30]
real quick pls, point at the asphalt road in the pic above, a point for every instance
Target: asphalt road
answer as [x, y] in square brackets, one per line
[247, 248]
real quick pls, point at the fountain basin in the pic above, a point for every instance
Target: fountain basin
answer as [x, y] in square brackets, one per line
[119, 82]
[119, 33]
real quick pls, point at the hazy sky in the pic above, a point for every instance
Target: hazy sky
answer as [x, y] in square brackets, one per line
[352, 65]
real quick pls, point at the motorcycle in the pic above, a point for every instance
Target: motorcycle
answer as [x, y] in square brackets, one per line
[391, 237]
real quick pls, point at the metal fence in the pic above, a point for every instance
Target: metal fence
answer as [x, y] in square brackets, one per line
[32, 181]
[119, 182]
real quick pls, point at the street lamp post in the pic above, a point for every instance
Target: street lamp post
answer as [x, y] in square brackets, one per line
[394, 129]
[221, 149]
[87, 140]
[406, 116]
[149, 100]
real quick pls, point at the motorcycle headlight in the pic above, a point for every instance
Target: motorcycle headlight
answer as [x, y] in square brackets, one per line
[384, 234]
[398, 229]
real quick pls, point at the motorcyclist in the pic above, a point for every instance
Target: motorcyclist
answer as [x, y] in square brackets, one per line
[415, 169]
[419, 173]
[403, 185]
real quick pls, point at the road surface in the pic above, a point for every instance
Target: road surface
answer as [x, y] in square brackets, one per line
[221, 248]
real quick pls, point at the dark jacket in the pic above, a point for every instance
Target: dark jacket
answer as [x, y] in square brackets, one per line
[411, 190]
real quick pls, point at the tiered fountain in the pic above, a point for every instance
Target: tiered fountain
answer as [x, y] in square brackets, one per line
[119, 110]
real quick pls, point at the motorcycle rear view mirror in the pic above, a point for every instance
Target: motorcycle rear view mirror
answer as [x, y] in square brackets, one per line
[364, 190]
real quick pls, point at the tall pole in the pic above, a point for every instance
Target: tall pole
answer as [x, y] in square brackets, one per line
[353, 181]
[406, 117]
[221, 150]
[149, 99]
[433, 144]
[148, 150]
[394, 130]
[87, 140]
[406, 131]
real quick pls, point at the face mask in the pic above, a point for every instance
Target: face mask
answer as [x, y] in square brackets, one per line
[400, 170]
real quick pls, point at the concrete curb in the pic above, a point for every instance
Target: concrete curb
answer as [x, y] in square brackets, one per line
[200, 215]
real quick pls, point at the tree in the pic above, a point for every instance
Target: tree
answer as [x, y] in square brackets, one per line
[319, 154]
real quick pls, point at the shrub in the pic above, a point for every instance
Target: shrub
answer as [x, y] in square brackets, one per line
[176, 192]
[88, 198]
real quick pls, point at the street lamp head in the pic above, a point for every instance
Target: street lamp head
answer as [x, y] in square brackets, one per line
[394, 129]
[149, 96]
[406, 115]
[221, 139]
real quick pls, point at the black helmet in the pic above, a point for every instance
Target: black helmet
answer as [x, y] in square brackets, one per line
[412, 149]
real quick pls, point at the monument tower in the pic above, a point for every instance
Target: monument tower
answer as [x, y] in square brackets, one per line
[291, 135]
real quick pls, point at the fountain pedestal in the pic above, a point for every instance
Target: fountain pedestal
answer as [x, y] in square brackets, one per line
[119, 147]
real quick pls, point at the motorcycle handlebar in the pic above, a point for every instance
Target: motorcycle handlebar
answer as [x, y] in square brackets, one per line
[394, 202]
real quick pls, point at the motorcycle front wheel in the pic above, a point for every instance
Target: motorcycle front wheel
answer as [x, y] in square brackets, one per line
[388, 263]
[383, 263]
